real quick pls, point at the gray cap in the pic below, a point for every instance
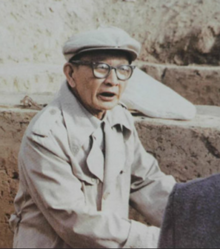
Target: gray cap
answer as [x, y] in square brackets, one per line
[103, 38]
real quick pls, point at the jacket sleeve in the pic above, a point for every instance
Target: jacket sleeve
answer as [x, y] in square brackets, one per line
[150, 188]
[58, 195]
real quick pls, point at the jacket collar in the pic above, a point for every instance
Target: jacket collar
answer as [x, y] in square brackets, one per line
[81, 124]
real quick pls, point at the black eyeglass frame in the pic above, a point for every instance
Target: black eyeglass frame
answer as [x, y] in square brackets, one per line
[93, 64]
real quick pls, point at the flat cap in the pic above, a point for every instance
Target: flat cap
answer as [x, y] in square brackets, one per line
[103, 38]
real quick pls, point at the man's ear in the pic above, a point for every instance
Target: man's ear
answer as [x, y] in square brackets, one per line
[68, 71]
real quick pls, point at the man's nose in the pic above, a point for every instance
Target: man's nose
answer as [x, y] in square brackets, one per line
[112, 78]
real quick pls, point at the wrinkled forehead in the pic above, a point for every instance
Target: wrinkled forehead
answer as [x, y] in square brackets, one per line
[101, 55]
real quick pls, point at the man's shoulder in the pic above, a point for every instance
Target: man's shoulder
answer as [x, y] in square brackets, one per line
[44, 121]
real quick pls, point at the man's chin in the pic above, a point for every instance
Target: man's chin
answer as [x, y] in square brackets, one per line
[109, 106]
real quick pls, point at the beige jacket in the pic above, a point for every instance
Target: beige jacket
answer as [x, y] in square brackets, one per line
[67, 198]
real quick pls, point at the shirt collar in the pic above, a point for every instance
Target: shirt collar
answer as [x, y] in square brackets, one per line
[117, 116]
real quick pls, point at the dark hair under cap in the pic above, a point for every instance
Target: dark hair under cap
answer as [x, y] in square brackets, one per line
[95, 54]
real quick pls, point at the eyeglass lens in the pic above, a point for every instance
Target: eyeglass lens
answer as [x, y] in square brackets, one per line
[101, 70]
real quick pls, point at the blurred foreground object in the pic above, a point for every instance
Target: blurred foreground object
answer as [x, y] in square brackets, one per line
[192, 217]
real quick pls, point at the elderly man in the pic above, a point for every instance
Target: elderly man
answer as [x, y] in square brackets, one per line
[81, 161]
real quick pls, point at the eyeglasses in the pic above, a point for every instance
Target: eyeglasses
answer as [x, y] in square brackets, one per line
[102, 70]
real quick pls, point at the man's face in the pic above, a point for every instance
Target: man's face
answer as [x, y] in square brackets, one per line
[98, 95]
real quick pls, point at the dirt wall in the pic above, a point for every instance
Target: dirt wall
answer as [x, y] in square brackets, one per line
[12, 126]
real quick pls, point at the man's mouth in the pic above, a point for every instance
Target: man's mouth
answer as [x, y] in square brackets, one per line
[107, 94]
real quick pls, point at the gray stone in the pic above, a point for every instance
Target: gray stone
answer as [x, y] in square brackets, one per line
[198, 84]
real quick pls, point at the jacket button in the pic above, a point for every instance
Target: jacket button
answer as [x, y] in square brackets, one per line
[53, 112]
[94, 180]
[105, 196]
